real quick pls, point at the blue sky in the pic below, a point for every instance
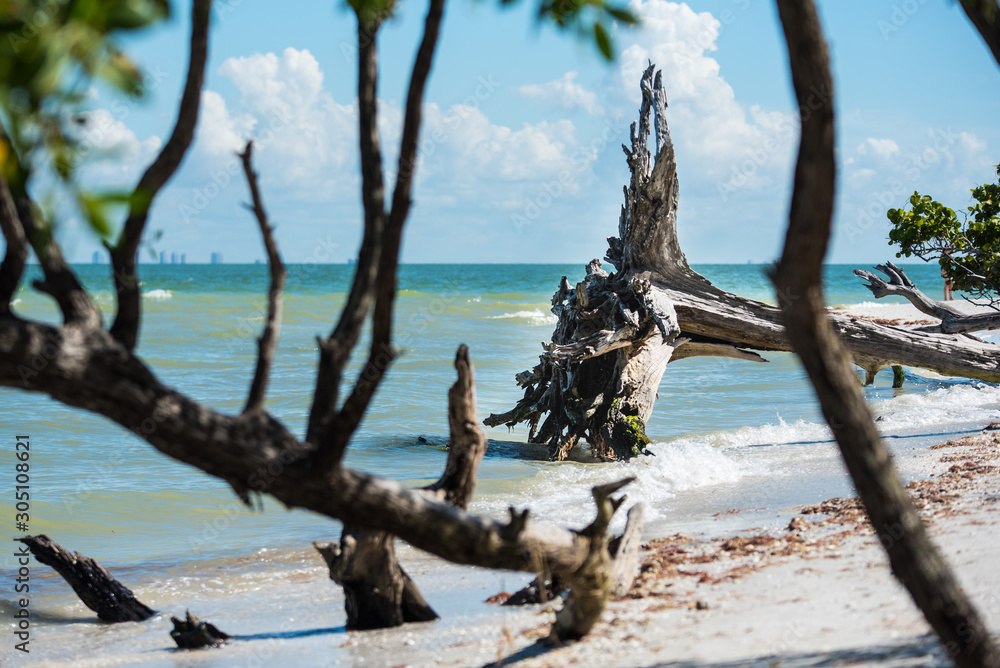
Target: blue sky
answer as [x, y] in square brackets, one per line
[523, 126]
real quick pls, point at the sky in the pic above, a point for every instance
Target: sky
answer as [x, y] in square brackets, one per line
[520, 159]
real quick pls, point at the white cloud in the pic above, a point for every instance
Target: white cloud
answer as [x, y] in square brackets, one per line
[716, 135]
[109, 153]
[101, 132]
[564, 93]
[883, 148]
[308, 141]
[971, 142]
[219, 134]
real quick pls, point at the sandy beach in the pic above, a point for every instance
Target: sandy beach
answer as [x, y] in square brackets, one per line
[818, 593]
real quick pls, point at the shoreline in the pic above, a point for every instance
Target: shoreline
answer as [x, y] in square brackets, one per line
[817, 593]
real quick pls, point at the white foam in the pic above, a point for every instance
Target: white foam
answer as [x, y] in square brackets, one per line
[560, 494]
[535, 317]
[158, 294]
[959, 403]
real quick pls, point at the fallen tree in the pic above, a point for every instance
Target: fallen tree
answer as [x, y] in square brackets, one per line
[616, 332]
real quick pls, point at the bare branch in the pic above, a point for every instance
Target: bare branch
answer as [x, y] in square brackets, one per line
[913, 557]
[985, 16]
[335, 350]
[381, 353]
[16, 255]
[123, 261]
[90, 370]
[269, 339]
[60, 281]
[467, 444]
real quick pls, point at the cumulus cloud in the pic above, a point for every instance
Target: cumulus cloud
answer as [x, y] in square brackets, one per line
[883, 148]
[563, 93]
[109, 154]
[308, 139]
[734, 146]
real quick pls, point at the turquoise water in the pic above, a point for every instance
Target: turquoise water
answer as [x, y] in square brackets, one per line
[725, 431]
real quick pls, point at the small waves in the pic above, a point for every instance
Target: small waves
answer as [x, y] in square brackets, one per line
[158, 295]
[535, 317]
[965, 402]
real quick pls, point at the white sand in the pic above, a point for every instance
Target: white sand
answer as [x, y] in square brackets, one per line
[832, 607]
[900, 310]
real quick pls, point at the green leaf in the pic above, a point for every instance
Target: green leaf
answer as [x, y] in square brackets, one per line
[623, 15]
[603, 41]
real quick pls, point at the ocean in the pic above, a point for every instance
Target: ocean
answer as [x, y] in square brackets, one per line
[728, 435]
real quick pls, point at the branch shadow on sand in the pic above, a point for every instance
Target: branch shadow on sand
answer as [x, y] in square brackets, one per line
[921, 651]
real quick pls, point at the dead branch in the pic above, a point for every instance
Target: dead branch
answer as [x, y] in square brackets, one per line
[269, 339]
[16, 255]
[123, 254]
[381, 353]
[953, 321]
[336, 349]
[99, 591]
[914, 559]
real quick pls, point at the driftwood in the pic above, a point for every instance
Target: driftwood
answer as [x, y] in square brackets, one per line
[379, 593]
[193, 633]
[953, 320]
[99, 591]
[914, 559]
[624, 553]
[617, 332]
[83, 365]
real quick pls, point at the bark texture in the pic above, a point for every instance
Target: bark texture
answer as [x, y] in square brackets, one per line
[798, 280]
[99, 591]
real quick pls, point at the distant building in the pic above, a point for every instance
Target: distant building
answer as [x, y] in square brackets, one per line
[96, 258]
[163, 257]
[258, 261]
[184, 258]
[173, 258]
[216, 257]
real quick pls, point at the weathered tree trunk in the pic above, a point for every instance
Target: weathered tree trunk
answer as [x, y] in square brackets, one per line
[99, 591]
[616, 333]
[798, 280]
[377, 591]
